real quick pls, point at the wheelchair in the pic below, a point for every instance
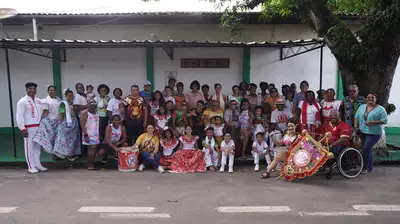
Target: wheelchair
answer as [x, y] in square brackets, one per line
[348, 161]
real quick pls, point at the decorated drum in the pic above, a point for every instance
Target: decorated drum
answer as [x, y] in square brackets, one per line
[128, 159]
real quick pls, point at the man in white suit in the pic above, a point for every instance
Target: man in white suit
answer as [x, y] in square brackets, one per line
[29, 113]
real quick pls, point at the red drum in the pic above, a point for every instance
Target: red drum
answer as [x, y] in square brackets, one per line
[128, 159]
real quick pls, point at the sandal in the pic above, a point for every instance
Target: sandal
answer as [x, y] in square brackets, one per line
[265, 175]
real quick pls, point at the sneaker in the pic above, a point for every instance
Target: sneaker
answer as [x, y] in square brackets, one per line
[230, 169]
[104, 159]
[33, 170]
[41, 168]
[160, 169]
[222, 169]
[141, 168]
[257, 167]
[364, 172]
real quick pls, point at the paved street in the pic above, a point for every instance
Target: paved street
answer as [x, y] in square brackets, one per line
[81, 196]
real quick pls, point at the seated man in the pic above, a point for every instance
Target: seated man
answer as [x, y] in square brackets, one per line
[341, 134]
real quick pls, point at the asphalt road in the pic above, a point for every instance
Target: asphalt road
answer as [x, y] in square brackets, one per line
[65, 196]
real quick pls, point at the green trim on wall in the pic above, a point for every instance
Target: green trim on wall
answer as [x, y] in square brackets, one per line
[7, 130]
[150, 65]
[246, 64]
[57, 70]
[340, 95]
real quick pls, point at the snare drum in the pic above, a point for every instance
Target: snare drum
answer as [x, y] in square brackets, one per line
[128, 159]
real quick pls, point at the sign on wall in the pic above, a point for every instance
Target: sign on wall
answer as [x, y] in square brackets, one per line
[205, 62]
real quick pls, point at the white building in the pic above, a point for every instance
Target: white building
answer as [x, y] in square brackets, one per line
[124, 63]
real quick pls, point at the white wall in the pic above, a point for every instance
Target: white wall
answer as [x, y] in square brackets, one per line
[24, 68]
[266, 66]
[226, 76]
[115, 67]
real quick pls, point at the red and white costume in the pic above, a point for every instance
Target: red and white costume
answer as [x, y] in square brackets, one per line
[310, 117]
[28, 116]
[327, 108]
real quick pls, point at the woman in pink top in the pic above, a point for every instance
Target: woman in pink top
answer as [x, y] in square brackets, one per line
[195, 95]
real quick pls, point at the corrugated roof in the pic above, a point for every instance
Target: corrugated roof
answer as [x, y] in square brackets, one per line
[172, 13]
[43, 43]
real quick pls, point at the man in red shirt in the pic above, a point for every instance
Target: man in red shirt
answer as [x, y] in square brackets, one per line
[341, 134]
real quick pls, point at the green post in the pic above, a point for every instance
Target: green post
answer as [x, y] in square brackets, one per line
[340, 95]
[57, 70]
[246, 64]
[150, 65]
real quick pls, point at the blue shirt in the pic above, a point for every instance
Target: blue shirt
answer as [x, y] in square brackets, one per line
[147, 96]
[377, 114]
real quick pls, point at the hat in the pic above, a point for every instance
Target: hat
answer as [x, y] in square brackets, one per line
[147, 83]
[280, 101]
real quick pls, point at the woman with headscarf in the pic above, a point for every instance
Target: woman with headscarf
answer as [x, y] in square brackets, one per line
[46, 134]
[102, 102]
[67, 142]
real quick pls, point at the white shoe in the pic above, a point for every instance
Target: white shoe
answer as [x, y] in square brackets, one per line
[33, 170]
[160, 169]
[257, 167]
[230, 169]
[222, 169]
[141, 168]
[41, 168]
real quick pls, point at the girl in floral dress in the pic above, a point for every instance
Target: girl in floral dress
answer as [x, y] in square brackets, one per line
[67, 143]
[211, 149]
[188, 159]
[168, 145]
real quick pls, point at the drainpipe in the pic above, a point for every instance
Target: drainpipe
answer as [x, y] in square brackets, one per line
[34, 26]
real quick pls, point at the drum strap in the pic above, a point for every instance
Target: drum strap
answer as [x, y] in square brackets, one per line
[147, 144]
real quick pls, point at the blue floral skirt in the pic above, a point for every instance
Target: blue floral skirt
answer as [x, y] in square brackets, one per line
[67, 141]
[46, 134]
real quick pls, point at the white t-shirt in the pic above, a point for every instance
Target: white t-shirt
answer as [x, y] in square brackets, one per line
[281, 117]
[170, 98]
[260, 147]
[113, 106]
[80, 100]
[311, 112]
[230, 145]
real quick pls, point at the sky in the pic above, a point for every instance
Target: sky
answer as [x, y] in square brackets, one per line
[99, 6]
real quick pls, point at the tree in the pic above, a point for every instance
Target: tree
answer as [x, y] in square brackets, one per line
[367, 58]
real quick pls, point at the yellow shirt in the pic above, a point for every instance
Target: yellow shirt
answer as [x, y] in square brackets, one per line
[146, 143]
[209, 114]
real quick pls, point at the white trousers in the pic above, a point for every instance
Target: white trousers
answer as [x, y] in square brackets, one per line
[225, 156]
[257, 156]
[32, 149]
[210, 158]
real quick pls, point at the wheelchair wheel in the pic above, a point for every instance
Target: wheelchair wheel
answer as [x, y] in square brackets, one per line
[350, 163]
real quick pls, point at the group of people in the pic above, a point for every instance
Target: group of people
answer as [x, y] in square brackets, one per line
[194, 131]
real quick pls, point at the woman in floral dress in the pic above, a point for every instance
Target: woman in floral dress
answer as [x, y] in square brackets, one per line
[67, 142]
[168, 145]
[46, 134]
[188, 159]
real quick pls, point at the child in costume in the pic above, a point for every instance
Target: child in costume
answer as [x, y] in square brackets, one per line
[218, 126]
[210, 149]
[260, 149]
[161, 119]
[227, 150]
[258, 123]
